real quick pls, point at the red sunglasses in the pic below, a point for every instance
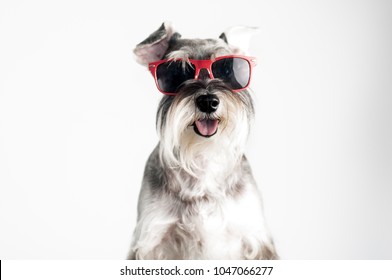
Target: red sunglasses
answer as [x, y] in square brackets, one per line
[234, 70]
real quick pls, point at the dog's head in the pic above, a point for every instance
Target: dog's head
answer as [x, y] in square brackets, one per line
[200, 115]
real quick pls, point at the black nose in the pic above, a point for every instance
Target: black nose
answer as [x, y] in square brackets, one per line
[207, 103]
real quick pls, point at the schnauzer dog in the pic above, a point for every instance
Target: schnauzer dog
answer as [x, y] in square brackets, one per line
[199, 199]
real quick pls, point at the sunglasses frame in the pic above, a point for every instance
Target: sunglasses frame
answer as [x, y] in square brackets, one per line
[202, 64]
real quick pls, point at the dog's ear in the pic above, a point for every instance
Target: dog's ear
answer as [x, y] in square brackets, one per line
[155, 46]
[238, 38]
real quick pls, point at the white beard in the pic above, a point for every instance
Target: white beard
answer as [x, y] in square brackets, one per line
[199, 199]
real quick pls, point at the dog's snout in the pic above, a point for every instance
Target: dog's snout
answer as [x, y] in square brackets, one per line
[207, 103]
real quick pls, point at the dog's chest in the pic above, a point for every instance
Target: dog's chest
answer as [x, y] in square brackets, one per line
[214, 181]
[218, 229]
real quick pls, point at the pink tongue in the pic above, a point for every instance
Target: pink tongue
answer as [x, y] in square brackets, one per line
[207, 127]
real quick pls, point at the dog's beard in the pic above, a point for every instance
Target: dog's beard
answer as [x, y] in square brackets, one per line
[190, 138]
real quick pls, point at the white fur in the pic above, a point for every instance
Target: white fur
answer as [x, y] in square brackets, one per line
[198, 198]
[216, 228]
[223, 225]
[181, 147]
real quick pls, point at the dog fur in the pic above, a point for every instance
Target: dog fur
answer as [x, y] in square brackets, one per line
[199, 199]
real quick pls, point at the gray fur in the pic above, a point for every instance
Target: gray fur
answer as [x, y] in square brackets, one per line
[186, 186]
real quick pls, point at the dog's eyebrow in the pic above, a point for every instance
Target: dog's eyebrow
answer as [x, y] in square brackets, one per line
[219, 51]
[179, 54]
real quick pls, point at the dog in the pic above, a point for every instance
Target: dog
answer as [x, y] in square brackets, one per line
[199, 199]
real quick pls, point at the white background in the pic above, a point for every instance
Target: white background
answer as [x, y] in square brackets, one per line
[77, 122]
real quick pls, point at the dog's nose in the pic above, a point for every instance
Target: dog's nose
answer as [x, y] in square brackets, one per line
[207, 103]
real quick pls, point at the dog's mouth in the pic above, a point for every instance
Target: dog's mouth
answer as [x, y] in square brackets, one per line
[206, 127]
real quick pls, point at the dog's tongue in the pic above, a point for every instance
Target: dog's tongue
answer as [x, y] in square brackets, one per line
[207, 127]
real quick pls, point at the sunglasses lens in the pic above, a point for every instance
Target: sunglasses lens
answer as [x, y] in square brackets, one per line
[172, 74]
[235, 72]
